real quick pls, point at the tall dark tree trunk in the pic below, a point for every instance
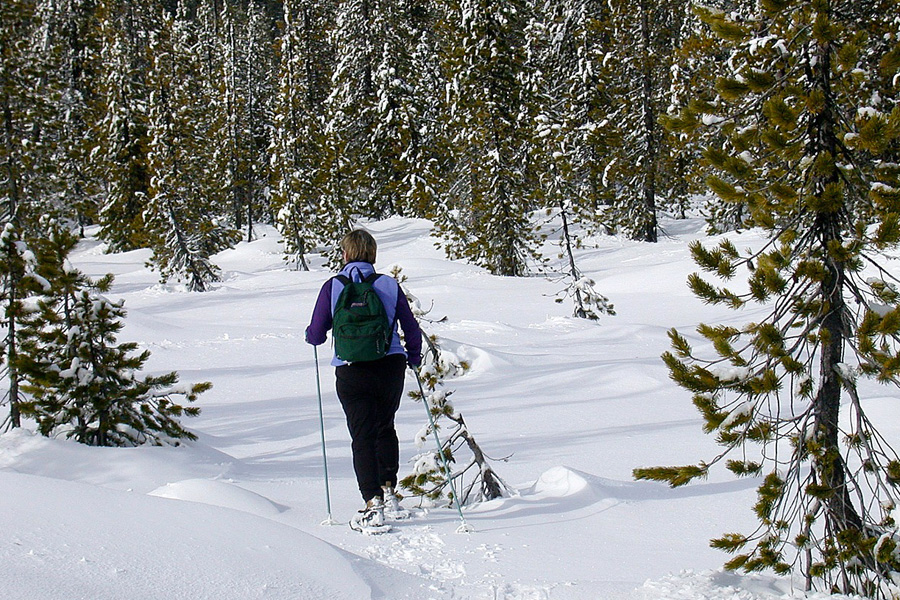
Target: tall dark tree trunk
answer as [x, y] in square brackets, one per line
[12, 282]
[828, 462]
[649, 224]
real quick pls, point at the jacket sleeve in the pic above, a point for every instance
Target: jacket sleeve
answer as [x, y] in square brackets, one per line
[412, 334]
[321, 317]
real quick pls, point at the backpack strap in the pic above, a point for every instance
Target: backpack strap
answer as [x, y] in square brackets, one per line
[347, 281]
[371, 280]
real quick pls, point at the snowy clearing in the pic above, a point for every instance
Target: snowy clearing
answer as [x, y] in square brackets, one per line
[237, 515]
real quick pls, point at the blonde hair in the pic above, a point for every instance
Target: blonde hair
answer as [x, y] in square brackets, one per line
[359, 246]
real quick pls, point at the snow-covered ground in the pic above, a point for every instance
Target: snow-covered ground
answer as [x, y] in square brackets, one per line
[238, 515]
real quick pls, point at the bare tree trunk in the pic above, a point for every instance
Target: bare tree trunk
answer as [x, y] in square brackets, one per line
[12, 281]
[828, 462]
[573, 270]
[649, 223]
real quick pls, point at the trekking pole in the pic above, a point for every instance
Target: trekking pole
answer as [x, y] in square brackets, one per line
[465, 527]
[329, 520]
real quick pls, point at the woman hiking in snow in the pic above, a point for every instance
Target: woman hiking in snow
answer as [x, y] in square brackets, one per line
[364, 310]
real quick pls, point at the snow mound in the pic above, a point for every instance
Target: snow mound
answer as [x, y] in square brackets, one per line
[128, 469]
[65, 540]
[219, 493]
[563, 482]
[16, 443]
[559, 482]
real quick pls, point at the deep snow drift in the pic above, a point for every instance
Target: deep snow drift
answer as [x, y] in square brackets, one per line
[237, 515]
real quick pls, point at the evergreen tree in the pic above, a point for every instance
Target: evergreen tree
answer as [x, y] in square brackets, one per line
[566, 48]
[241, 72]
[642, 48]
[475, 480]
[305, 212]
[82, 382]
[70, 37]
[30, 94]
[426, 156]
[28, 178]
[573, 138]
[16, 261]
[260, 85]
[810, 119]
[183, 213]
[700, 58]
[402, 104]
[589, 303]
[486, 218]
[351, 105]
[121, 127]
[377, 107]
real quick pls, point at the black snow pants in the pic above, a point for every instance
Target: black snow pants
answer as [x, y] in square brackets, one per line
[370, 394]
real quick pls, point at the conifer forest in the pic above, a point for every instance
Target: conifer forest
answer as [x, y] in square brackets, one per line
[179, 125]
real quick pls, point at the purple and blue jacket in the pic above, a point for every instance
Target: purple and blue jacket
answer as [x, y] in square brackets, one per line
[395, 305]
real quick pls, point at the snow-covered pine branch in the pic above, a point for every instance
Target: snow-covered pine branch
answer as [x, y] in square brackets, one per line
[476, 481]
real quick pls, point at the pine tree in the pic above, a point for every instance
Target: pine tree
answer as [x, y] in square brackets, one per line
[83, 383]
[643, 41]
[589, 303]
[810, 118]
[16, 261]
[426, 156]
[185, 202]
[260, 88]
[700, 58]
[306, 212]
[566, 49]
[475, 481]
[70, 31]
[28, 178]
[402, 105]
[241, 70]
[486, 218]
[351, 105]
[573, 138]
[121, 127]
[377, 106]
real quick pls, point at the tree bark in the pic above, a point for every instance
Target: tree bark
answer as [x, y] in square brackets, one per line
[829, 465]
[12, 282]
[649, 223]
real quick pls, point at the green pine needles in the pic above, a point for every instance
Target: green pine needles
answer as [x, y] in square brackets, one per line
[78, 380]
[807, 138]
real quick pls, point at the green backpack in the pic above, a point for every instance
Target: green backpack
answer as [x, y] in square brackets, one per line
[360, 326]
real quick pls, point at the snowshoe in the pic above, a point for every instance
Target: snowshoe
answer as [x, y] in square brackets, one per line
[392, 508]
[370, 520]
